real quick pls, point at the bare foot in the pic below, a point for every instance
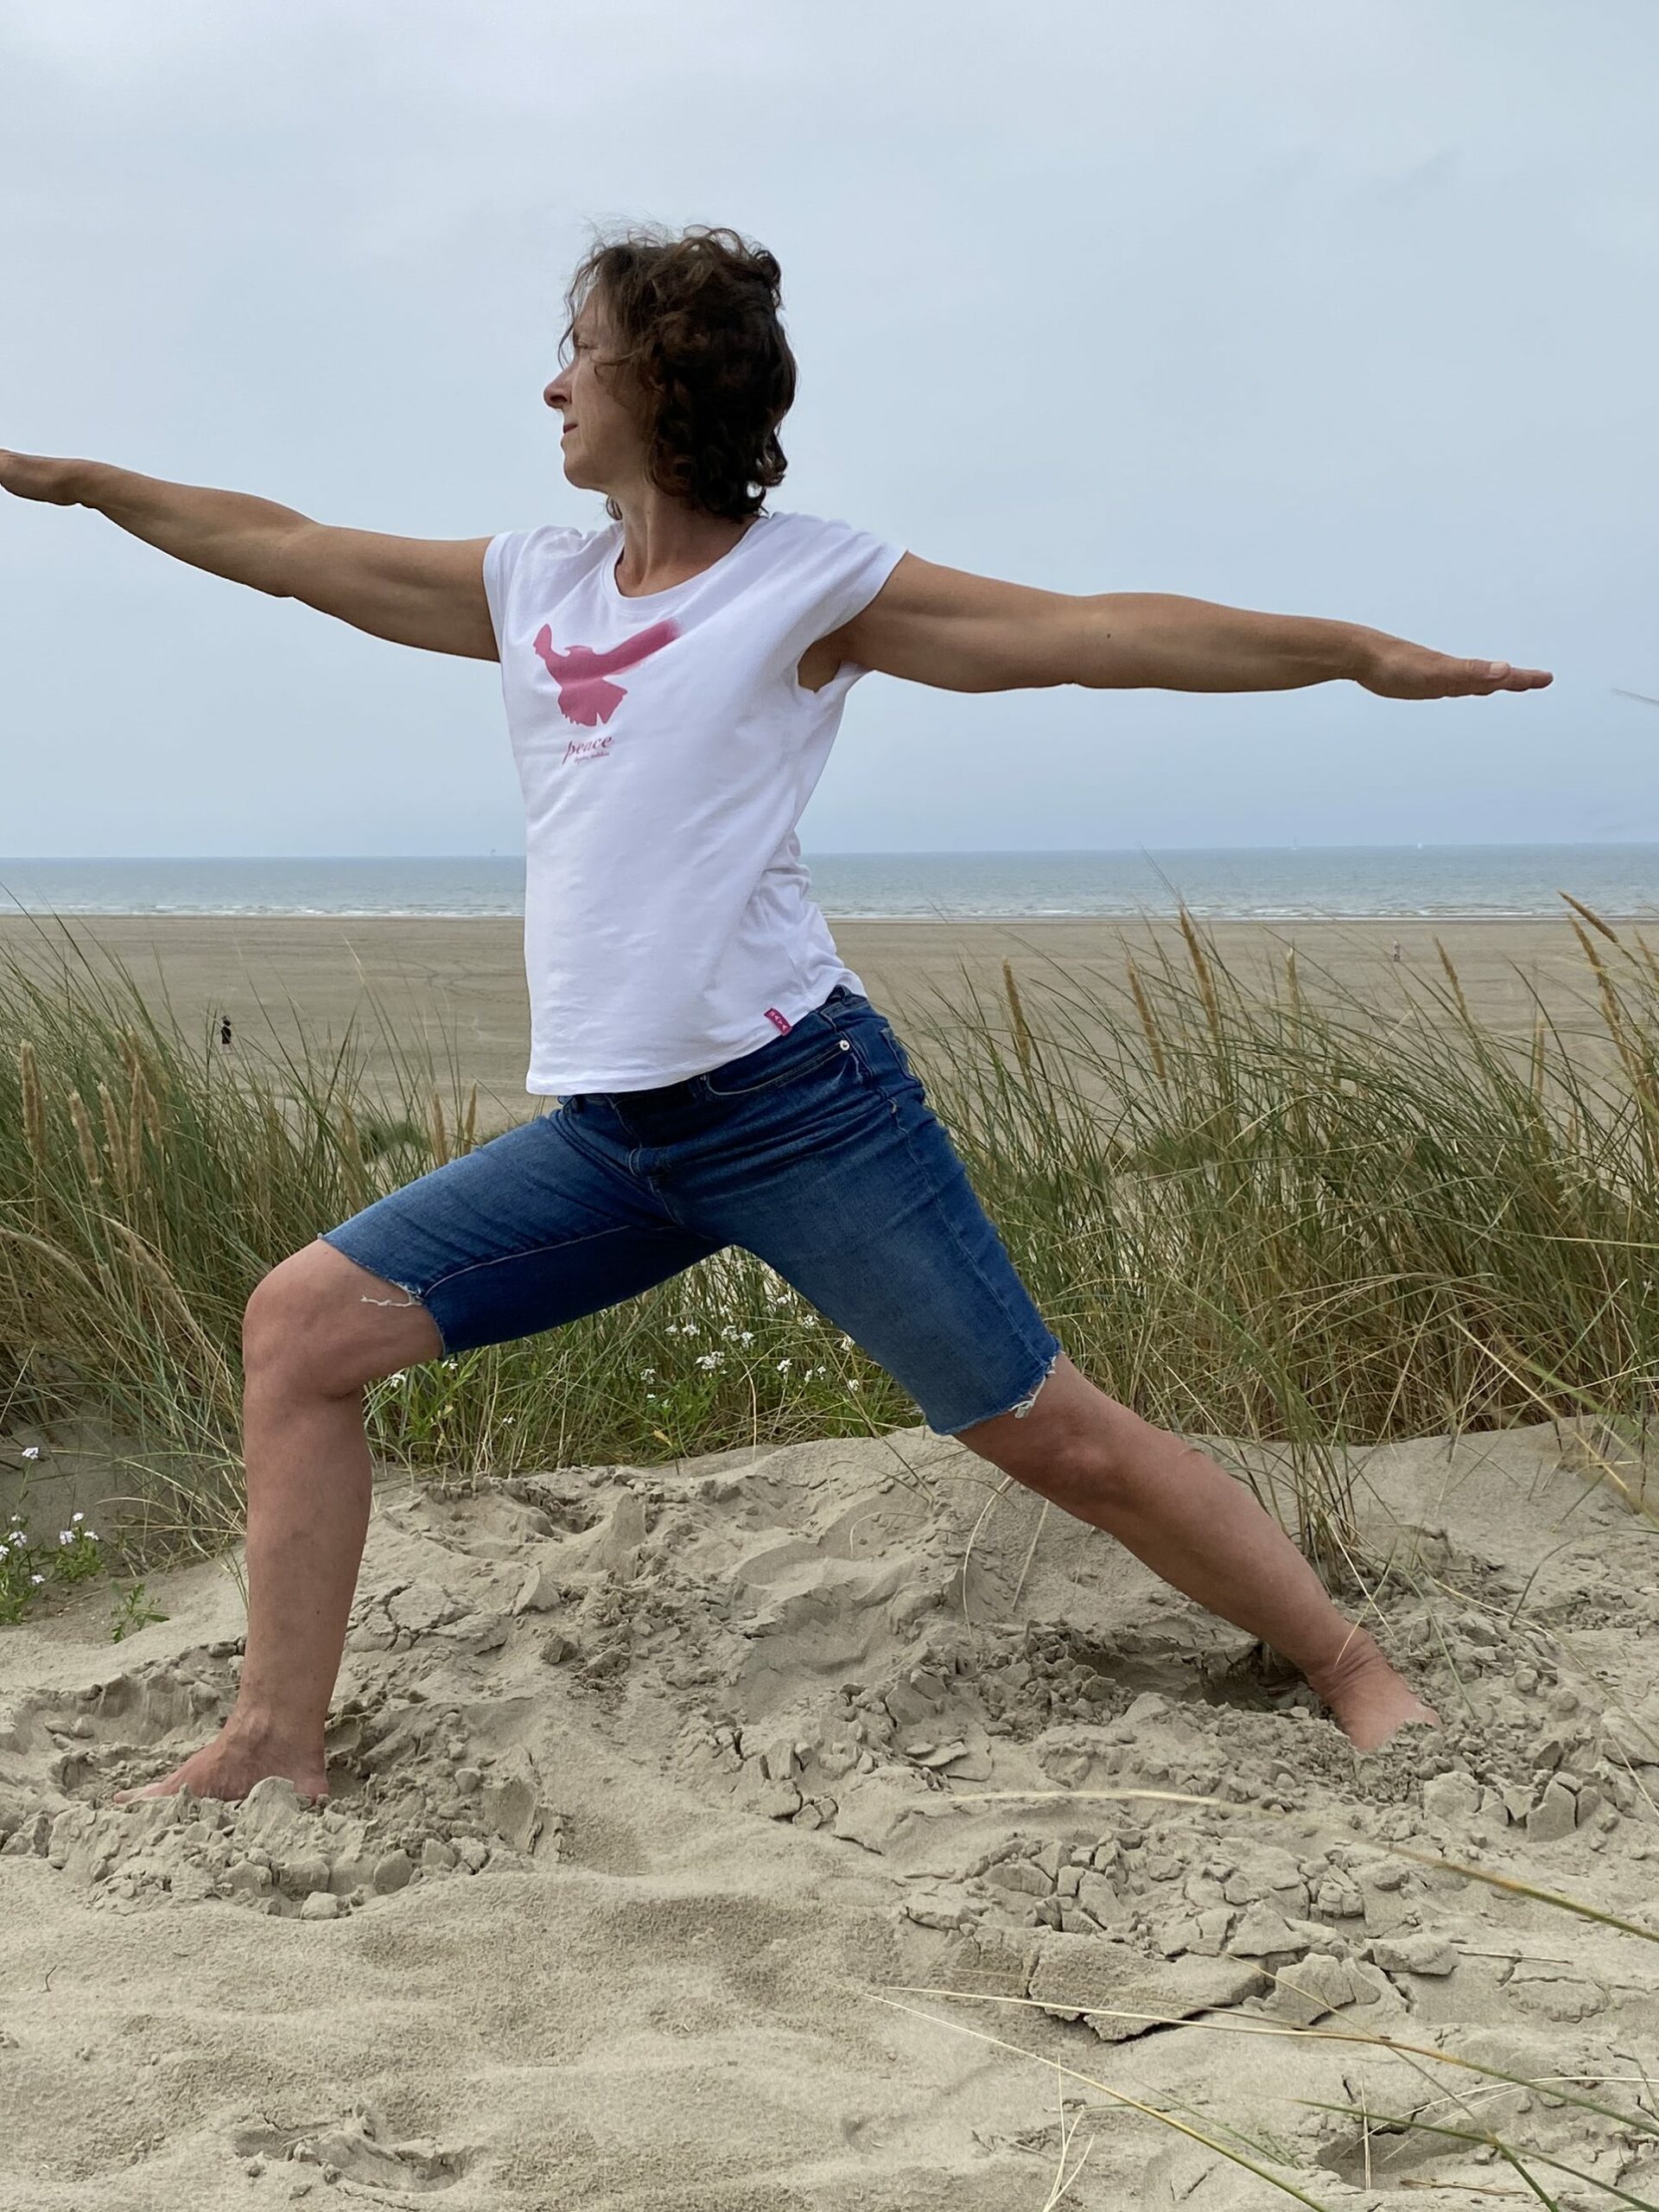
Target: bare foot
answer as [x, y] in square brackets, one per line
[1370, 1701]
[233, 1762]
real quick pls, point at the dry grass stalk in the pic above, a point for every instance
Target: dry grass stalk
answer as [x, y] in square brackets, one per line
[1590, 952]
[469, 1121]
[1201, 969]
[136, 1127]
[440, 1133]
[84, 1139]
[1452, 977]
[1590, 916]
[114, 1143]
[33, 1112]
[1613, 1014]
[1017, 1016]
[137, 1064]
[1143, 1008]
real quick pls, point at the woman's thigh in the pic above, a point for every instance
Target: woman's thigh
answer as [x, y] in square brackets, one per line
[841, 1178]
[532, 1230]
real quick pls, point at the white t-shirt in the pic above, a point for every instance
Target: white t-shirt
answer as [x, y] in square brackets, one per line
[666, 751]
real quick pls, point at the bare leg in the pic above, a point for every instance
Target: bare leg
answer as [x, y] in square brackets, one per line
[1200, 1529]
[313, 1336]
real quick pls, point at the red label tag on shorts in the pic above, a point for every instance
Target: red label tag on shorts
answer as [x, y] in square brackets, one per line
[777, 1021]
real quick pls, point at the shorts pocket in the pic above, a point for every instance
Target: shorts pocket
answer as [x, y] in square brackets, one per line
[737, 1081]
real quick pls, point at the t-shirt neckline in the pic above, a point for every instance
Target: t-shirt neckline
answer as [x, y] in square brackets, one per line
[614, 554]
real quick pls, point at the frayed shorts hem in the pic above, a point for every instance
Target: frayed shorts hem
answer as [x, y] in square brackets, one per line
[1020, 1408]
[413, 1296]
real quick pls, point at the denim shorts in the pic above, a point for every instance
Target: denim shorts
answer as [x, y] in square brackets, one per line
[817, 1151]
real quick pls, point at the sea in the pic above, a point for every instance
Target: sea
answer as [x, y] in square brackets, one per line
[1253, 883]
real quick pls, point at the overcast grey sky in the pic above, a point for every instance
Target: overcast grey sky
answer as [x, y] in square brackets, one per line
[1335, 310]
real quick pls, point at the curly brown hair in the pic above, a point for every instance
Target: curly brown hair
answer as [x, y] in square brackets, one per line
[695, 318]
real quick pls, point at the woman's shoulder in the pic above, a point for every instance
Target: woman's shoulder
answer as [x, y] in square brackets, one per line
[555, 541]
[821, 534]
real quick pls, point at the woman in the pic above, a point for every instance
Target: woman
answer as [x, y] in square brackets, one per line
[673, 684]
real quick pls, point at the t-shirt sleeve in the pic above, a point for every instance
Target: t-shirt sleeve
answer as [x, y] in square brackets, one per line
[500, 558]
[837, 571]
[507, 553]
[856, 566]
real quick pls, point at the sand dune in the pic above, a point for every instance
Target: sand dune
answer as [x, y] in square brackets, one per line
[658, 1794]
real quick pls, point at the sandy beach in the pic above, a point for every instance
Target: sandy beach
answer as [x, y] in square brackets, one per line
[693, 1827]
[460, 983]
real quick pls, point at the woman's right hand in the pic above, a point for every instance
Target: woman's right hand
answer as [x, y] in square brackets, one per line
[37, 476]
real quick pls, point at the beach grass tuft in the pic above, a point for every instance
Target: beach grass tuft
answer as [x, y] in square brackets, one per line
[1268, 1216]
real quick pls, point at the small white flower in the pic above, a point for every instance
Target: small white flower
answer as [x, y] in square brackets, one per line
[31, 1451]
[690, 1329]
[647, 1374]
[853, 1382]
[66, 1537]
[711, 1359]
[746, 1335]
[37, 1580]
[398, 1377]
[17, 1537]
[90, 1534]
[650, 1397]
[75, 1517]
[783, 1367]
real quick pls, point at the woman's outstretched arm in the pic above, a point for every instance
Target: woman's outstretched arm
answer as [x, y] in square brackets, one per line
[963, 632]
[415, 591]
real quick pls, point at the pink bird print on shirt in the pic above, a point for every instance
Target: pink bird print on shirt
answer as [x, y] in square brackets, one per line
[580, 673]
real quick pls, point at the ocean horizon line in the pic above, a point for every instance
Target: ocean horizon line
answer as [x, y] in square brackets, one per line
[867, 852]
[1273, 884]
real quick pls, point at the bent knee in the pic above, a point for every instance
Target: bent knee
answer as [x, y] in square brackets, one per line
[324, 1322]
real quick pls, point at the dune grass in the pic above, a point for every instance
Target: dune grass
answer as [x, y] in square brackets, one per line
[1261, 1215]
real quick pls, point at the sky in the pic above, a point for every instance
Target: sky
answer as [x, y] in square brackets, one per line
[1348, 311]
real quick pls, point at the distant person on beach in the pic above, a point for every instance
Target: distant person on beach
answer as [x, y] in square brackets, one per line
[1395, 953]
[224, 1031]
[673, 681]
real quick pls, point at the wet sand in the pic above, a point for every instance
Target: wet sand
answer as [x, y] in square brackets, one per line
[450, 987]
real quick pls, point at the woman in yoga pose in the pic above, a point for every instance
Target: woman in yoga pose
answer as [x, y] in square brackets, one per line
[673, 681]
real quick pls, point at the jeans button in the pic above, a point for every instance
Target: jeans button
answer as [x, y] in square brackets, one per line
[846, 1045]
